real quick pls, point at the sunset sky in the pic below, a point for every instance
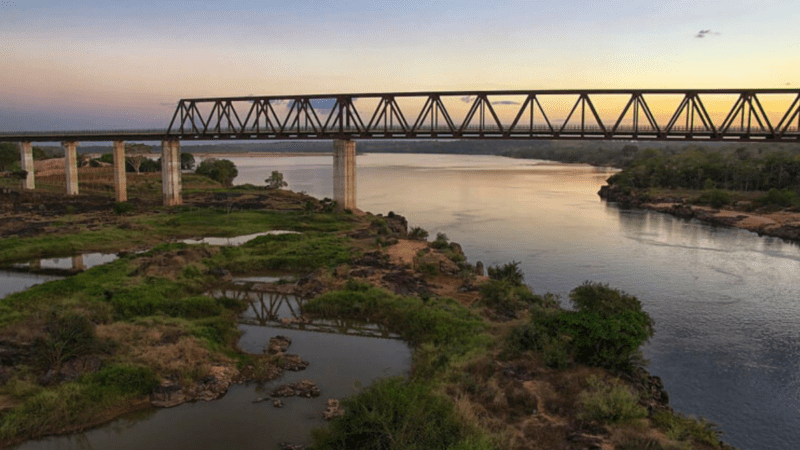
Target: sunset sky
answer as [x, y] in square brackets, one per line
[125, 64]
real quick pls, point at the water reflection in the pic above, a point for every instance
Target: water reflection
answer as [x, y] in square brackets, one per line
[236, 240]
[76, 263]
[269, 308]
[12, 282]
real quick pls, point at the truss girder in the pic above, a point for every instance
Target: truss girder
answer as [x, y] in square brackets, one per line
[582, 114]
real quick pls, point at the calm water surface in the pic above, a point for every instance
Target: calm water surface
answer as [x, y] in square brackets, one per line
[726, 302]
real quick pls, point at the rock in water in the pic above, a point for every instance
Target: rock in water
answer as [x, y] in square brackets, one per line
[304, 388]
[278, 344]
[333, 409]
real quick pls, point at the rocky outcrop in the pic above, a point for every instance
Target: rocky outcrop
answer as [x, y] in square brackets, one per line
[214, 385]
[305, 388]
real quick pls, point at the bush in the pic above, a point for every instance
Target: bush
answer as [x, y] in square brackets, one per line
[506, 298]
[508, 272]
[716, 198]
[784, 198]
[67, 336]
[128, 379]
[608, 326]
[686, 428]
[441, 242]
[602, 299]
[123, 208]
[609, 402]
[418, 234]
[394, 414]
[541, 335]
[220, 170]
[606, 330]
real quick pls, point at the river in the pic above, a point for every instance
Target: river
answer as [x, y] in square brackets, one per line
[726, 302]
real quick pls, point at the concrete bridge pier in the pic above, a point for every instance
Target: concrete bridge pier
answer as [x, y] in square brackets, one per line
[171, 172]
[344, 173]
[120, 180]
[71, 166]
[26, 159]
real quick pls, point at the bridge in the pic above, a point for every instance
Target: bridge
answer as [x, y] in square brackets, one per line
[510, 114]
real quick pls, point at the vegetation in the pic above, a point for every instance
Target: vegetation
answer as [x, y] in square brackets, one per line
[397, 413]
[275, 181]
[480, 373]
[9, 155]
[221, 170]
[394, 414]
[610, 402]
[605, 330]
[418, 234]
[187, 161]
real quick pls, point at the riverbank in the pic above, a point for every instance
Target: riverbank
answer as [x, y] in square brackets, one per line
[784, 224]
[482, 392]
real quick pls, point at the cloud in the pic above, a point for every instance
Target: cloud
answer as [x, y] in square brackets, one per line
[505, 102]
[323, 104]
[467, 99]
[703, 33]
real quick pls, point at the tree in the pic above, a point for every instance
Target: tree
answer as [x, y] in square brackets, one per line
[187, 161]
[9, 154]
[275, 181]
[136, 153]
[220, 170]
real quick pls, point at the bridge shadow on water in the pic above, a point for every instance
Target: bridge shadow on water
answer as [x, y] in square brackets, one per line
[280, 310]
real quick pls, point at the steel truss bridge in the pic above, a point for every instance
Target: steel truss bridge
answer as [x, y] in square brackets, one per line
[474, 115]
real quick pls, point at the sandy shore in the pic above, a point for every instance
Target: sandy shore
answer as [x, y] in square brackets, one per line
[256, 154]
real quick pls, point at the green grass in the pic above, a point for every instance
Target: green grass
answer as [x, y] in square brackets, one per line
[609, 401]
[299, 252]
[686, 428]
[151, 229]
[439, 321]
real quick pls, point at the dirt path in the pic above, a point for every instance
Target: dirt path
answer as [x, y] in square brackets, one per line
[404, 251]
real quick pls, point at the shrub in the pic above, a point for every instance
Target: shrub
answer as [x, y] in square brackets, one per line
[609, 402]
[394, 414]
[220, 170]
[418, 234]
[716, 198]
[506, 298]
[602, 299]
[128, 379]
[507, 272]
[123, 208]
[67, 336]
[542, 335]
[784, 198]
[441, 242]
[606, 330]
[684, 428]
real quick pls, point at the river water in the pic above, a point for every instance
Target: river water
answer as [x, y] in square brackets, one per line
[726, 302]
